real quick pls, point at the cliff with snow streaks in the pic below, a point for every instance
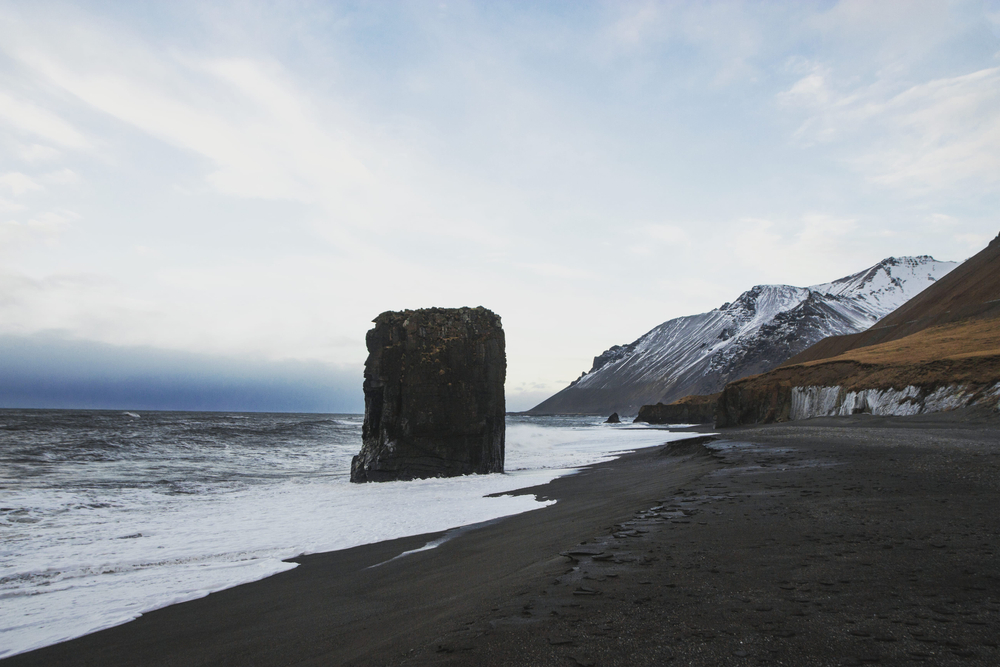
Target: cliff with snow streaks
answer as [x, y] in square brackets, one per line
[765, 326]
[777, 402]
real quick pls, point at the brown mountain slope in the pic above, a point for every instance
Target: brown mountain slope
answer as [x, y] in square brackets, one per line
[957, 362]
[939, 351]
[961, 352]
[971, 290]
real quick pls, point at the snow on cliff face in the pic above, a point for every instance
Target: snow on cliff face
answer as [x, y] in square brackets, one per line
[766, 325]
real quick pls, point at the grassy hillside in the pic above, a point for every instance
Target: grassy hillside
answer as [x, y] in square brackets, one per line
[939, 351]
[958, 353]
[971, 291]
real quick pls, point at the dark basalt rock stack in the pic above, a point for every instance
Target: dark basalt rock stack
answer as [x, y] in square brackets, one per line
[434, 399]
[613, 419]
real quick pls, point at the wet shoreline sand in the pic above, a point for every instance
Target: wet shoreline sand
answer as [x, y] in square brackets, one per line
[826, 542]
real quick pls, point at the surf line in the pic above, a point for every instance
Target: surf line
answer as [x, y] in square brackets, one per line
[449, 535]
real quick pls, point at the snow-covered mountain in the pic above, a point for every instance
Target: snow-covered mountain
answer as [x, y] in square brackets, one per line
[766, 325]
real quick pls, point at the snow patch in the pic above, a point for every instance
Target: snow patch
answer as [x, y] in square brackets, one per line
[994, 392]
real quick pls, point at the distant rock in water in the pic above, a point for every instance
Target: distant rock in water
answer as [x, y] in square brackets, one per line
[613, 419]
[434, 397]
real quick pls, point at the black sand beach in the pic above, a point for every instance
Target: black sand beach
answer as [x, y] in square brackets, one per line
[827, 542]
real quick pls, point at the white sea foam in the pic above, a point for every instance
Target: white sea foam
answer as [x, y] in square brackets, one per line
[78, 559]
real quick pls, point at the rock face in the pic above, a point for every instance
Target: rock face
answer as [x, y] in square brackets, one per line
[743, 403]
[681, 412]
[613, 419]
[747, 402]
[434, 396]
[700, 354]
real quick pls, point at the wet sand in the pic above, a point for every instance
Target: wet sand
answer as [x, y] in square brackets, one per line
[826, 542]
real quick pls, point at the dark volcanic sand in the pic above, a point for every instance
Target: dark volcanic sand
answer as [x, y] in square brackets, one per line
[826, 542]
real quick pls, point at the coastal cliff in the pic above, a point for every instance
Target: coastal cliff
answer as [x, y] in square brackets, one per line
[434, 395]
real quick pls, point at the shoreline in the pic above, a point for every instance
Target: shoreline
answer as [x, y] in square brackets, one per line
[822, 542]
[229, 519]
[350, 562]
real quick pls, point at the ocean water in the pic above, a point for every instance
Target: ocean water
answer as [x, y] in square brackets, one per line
[105, 515]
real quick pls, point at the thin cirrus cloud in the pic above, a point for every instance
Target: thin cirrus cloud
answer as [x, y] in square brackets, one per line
[40, 123]
[259, 135]
[17, 183]
[273, 150]
[931, 135]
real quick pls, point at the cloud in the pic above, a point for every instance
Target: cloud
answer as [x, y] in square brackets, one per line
[660, 238]
[809, 250]
[271, 151]
[552, 270]
[933, 135]
[669, 234]
[38, 153]
[943, 132]
[20, 224]
[637, 22]
[994, 21]
[61, 177]
[260, 137]
[892, 37]
[261, 182]
[33, 119]
[50, 371]
[261, 133]
[8, 206]
[45, 226]
[721, 41]
[18, 183]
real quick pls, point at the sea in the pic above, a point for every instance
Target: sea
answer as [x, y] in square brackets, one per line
[105, 515]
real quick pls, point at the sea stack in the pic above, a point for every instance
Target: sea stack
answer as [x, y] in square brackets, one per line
[434, 398]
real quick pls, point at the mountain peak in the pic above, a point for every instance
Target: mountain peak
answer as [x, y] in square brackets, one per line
[754, 333]
[890, 283]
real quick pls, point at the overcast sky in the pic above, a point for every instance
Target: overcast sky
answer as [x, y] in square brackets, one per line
[252, 183]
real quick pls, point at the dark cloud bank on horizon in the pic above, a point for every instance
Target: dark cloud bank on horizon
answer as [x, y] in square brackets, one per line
[54, 372]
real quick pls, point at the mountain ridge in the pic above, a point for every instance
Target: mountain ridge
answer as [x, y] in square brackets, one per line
[970, 291]
[764, 326]
[939, 351]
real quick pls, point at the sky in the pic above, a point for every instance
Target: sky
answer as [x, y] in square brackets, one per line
[203, 205]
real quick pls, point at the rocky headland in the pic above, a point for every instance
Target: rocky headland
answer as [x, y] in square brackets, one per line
[434, 395]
